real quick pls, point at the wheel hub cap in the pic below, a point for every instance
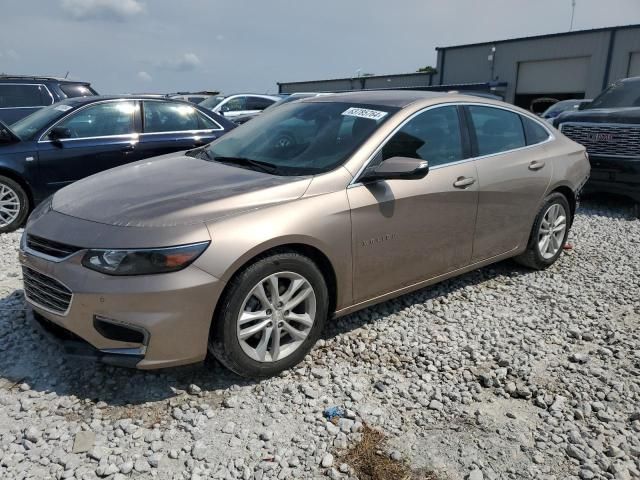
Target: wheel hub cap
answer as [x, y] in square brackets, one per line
[552, 230]
[9, 205]
[276, 317]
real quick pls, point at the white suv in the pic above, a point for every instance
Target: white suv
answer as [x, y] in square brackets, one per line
[241, 104]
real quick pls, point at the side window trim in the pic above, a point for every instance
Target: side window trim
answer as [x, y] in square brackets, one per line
[43, 138]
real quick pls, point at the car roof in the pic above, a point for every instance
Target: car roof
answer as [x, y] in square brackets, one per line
[387, 98]
[129, 96]
[34, 78]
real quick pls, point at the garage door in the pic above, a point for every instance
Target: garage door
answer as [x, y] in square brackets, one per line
[634, 65]
[566, 75]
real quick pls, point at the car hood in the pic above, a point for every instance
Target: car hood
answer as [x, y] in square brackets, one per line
[173, 190]
[601, 115]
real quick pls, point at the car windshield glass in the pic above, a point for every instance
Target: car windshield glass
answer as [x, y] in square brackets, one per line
[75, 90]
[619, 95]
[301, 138]
[211, 102]
[29, 126]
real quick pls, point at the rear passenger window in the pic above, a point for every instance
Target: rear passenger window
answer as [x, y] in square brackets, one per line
[533, 131]
[16, 96]
[497, 130]
[169, 117]
[433, 136]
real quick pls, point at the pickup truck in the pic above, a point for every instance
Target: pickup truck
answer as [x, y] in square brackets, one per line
[609, 127]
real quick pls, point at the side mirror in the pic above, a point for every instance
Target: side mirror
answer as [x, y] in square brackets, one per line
[5, 136]
[397, 168]
[59, 133]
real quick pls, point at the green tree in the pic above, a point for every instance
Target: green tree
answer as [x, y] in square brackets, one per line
[428, 69]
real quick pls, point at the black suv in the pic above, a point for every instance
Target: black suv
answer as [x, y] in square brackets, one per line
[22, 95]
[609, 127]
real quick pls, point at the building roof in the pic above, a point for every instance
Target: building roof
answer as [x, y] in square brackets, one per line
[538, 37]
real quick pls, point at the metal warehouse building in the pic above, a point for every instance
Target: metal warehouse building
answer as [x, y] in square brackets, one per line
[560, 66]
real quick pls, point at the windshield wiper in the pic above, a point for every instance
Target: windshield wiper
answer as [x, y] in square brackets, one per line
[257, 164]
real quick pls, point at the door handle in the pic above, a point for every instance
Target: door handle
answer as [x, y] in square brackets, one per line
[128, 148]
[464, 182]
[536, 165]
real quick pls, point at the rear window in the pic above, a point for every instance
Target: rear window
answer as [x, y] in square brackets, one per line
[24, 96]
[72, 91]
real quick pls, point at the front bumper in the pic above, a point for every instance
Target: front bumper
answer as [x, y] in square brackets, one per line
[172, 312]
[615, 175]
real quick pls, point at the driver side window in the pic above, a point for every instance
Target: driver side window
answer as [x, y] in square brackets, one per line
[433, 136]
[101, 120]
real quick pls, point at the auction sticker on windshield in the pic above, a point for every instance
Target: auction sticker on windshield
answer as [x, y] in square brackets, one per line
[63, 108]
[365, 113]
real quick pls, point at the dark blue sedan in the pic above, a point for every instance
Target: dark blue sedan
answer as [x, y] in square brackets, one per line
[78, 137]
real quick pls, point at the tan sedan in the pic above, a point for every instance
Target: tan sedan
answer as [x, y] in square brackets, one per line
[246, 247]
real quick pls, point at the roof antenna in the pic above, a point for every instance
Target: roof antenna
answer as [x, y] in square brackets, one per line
[67, 74]
[573, 12]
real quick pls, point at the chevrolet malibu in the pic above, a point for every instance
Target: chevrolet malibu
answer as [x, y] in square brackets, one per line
[245, 248]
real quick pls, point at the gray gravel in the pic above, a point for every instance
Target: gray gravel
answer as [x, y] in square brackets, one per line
[501, 373]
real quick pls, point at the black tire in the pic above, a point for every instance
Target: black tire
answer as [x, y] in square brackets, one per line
[532, 257]
[23, 209]
[223, 339]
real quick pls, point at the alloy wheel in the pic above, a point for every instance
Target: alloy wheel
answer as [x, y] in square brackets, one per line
[276, 316]
[9, 205]
[552, 230]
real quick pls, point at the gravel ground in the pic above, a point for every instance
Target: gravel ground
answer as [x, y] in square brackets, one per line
[501, 373]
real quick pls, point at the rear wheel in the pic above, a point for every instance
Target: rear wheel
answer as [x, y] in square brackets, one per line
[14, 205]
[271, 315]
[549, 234]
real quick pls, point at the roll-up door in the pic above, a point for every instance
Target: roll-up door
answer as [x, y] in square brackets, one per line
[566, 75]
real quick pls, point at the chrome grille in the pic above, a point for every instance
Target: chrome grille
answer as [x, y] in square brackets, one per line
[608, 140]
[46, 292]
[49, 247]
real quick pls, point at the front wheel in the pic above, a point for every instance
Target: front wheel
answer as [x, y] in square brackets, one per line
[14, 205]
[271, 315]
[549, 233]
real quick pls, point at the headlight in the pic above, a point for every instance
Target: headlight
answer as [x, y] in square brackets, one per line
[143, 261]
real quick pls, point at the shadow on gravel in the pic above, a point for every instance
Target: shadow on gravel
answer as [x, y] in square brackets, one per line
[27, 356]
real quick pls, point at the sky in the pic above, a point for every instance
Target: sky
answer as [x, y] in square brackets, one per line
[136, 46]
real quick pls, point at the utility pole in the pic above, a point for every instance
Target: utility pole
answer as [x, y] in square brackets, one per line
[573, 12]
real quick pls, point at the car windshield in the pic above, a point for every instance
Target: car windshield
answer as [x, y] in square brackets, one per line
[301, 138]
[29, 126]
[619, 95]
[211, 102]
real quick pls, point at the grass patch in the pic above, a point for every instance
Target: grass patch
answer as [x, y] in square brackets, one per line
[369, 460]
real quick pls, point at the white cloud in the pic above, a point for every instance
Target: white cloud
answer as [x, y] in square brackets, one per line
[183, 63]
[144, 76]
[102, 9]
[10, 53]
